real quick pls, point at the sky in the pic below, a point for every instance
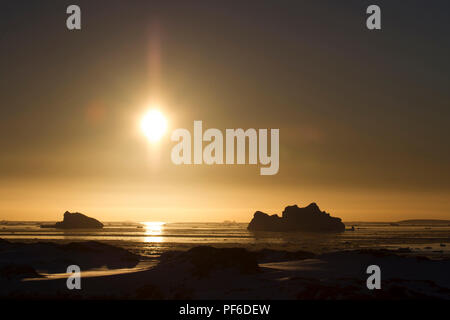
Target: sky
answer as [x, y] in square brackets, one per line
[363, 115]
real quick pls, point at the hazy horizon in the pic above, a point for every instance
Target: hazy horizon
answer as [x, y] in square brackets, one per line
[59, 217]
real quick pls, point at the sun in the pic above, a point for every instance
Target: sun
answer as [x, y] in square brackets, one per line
[154, 125]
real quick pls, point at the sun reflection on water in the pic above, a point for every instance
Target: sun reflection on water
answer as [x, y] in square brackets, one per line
[153, 231]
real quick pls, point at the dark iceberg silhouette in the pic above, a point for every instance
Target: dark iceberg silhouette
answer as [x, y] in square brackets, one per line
[309, 219]
[76, 220]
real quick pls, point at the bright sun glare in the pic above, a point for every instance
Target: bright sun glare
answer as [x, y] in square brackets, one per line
[154, 125]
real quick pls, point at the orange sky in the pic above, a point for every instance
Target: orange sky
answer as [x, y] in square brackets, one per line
[363, 130]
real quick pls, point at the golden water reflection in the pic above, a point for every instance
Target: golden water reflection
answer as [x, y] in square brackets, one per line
[154, 231]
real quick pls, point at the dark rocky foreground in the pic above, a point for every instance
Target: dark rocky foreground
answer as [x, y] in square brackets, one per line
[21, 260]
[307, 219]
[227, 273]
[76, 220]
